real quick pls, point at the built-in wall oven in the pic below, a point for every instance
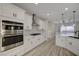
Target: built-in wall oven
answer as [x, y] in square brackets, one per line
[12, 34]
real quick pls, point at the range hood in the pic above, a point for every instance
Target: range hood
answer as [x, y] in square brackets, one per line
[34, 21]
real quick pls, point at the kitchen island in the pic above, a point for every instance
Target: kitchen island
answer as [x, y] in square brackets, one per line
[70, 43]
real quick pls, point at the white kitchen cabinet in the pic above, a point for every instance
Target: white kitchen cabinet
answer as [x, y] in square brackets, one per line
[28, 22]
[33, 41]
[40, 39]
[30, 42]
[11, 11]
[69, 43]
[73, 45]
[59, 40]
[37, 40]
[27, 44]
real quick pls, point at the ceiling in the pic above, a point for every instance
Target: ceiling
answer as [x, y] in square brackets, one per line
[52, 11]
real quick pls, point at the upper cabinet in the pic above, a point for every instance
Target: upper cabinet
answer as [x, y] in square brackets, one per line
[12, 11]
[28, 22]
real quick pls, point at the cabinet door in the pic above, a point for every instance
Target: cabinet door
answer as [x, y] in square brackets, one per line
[27, 43]
[74, 44]
[27, 22]
[39, 39]
[6, 10]
[33, 42]
[60, 41]
[12, 11]
[18, 13]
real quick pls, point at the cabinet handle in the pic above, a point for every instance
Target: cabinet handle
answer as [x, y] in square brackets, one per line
[14, 15]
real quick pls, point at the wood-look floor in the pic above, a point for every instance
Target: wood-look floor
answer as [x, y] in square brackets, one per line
[48, 48]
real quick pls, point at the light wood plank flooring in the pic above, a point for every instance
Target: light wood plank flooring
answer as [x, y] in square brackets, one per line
[48, 48]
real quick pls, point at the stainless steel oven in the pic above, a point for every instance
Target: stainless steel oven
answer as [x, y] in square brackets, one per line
[12, 34]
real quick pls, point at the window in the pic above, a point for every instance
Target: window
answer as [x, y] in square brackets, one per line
[67, 30]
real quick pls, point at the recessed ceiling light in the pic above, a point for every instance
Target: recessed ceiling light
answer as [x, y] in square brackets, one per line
[66, 9]
[36, 3]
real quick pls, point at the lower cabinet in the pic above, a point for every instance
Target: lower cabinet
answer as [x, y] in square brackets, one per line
[32, 42]
[69, 43]
[73, 45]
[11, 11]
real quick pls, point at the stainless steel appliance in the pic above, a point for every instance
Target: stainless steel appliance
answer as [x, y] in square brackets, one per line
[12, 34]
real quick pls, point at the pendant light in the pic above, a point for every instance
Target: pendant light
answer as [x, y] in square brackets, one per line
[33, 19]
[74, 17]
[63, 22]
[34, 23]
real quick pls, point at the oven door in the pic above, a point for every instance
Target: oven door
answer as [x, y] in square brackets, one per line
[12, 41]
